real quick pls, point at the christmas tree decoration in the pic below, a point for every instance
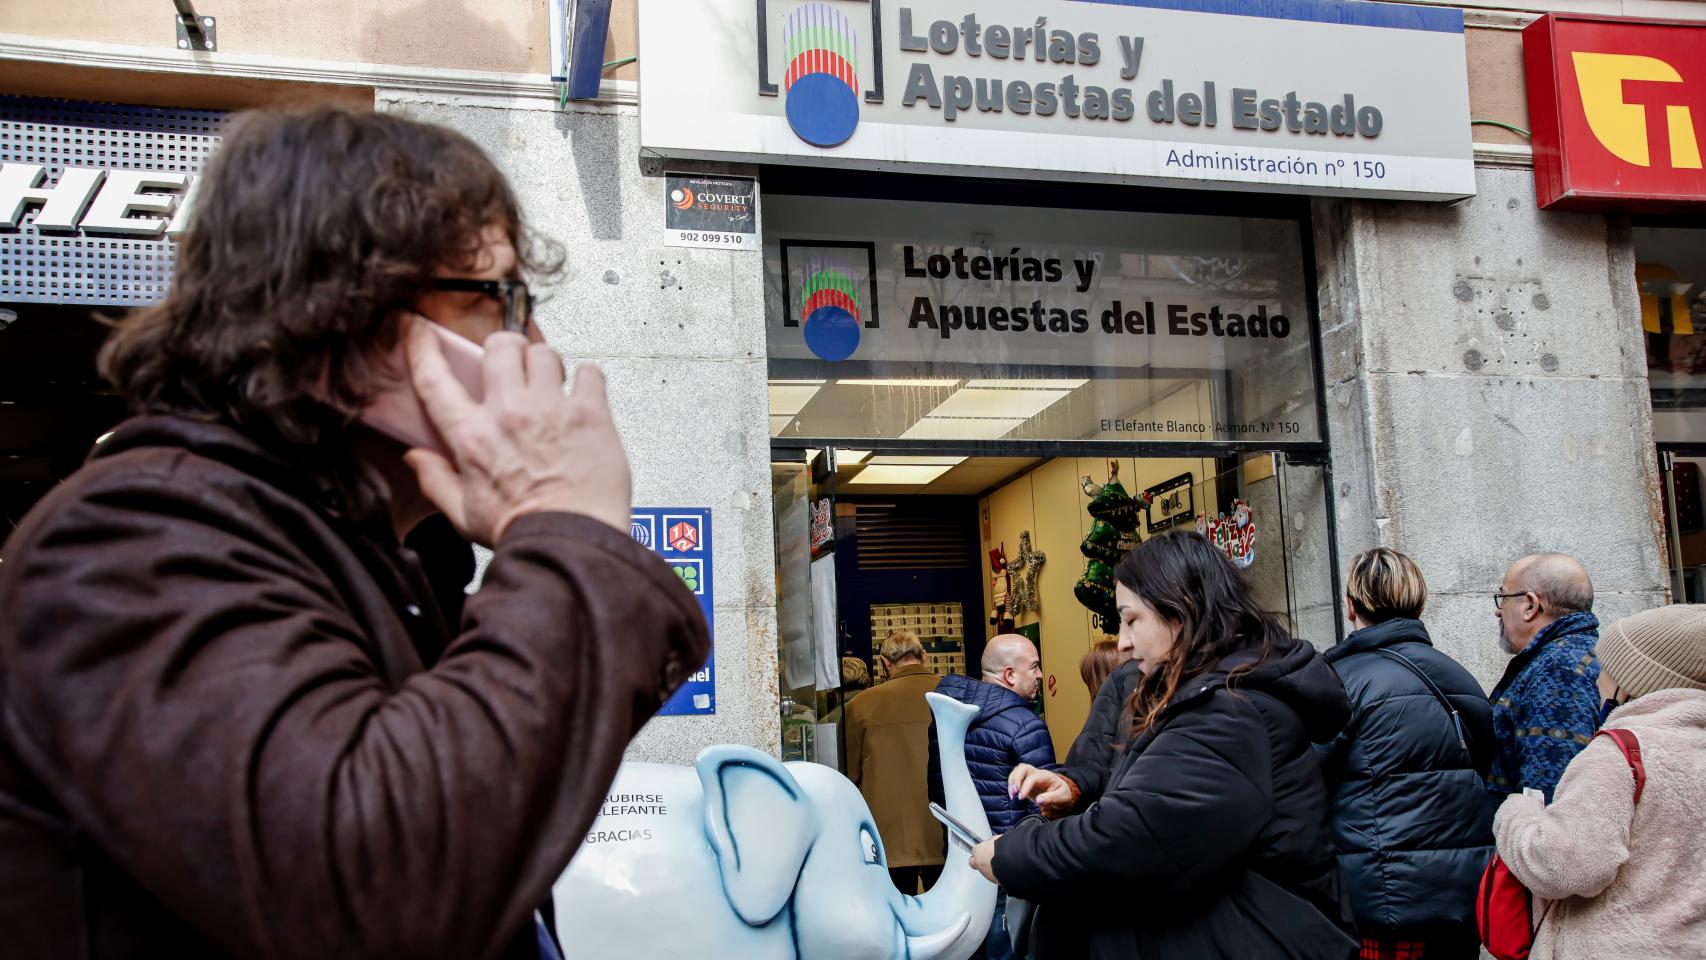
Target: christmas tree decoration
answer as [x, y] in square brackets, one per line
[1116, 506]
[1103, 543]
[1115, 515]
[1027, 565]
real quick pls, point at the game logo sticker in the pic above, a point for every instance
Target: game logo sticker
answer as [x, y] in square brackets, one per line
[686, 548]
[821, 87]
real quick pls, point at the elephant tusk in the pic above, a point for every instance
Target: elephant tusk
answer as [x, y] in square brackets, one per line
[928, 947]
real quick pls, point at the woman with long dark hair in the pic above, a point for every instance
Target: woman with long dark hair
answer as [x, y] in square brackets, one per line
[1210, 837]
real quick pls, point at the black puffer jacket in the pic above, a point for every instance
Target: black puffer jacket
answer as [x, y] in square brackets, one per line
[1092, 756]
[1411, 816]
[1211, 838]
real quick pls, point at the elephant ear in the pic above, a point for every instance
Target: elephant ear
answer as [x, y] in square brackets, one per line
[760, 825]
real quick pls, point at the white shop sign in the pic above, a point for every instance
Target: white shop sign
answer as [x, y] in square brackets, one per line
[1303, 96]
[123, 202]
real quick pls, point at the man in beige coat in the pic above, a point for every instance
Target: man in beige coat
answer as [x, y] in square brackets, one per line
[1613, 877]
[888, 757]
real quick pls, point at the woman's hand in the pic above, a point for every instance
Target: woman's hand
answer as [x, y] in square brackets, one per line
[524, 448]
[1047, 789]
[983, 859]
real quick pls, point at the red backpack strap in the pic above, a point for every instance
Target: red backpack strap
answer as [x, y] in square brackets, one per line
[1631, 746]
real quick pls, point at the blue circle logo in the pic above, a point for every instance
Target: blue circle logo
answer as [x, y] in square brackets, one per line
[830, 312]
[822, 83]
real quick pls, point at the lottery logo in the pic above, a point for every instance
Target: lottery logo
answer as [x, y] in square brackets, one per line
[822, 81]
[829, 311]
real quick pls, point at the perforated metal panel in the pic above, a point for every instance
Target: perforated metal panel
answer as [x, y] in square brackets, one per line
[75, 267]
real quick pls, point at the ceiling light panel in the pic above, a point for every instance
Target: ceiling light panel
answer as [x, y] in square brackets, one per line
[790, 399]
[894, 474]
[961, 428]
[1027, 384]
[924, 461]
[1023, 404]
[897, 383]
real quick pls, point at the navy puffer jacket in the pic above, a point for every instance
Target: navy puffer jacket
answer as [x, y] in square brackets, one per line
[1411, 817]
[1006, 733]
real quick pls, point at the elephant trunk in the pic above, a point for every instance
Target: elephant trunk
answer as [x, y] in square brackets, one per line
[962, 898]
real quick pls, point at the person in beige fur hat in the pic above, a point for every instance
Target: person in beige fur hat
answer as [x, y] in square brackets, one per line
[1625, 879]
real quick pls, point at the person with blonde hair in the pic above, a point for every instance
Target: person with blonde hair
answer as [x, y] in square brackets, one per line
[1410, 814]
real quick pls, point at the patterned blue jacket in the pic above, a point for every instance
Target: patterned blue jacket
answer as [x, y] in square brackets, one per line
[1546, 708]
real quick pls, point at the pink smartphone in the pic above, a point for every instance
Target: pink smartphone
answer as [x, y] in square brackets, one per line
[397, 412]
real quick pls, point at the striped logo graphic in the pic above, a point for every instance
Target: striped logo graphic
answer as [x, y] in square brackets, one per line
[822, 81]
[830, 309]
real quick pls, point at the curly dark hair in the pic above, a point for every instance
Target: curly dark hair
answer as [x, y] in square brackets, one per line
[1191, 583]
[312, 230]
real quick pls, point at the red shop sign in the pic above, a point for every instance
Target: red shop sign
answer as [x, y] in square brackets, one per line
[1618, 108]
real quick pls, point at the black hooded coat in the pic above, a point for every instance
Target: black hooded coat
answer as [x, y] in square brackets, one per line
[1212, 836]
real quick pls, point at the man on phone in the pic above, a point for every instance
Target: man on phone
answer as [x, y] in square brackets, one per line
[232, 719]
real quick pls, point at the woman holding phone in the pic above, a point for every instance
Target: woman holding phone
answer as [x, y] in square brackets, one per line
[1211, 836]
[235, 720]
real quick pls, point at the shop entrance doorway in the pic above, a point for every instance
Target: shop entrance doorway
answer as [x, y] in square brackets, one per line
[1670, 274]
[955, 548]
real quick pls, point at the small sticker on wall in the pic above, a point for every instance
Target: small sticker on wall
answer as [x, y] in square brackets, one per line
[719, 213]
[1233, 535]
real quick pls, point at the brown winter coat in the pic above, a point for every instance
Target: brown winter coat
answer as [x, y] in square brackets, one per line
[217, 735]
[888, 756]
[1625, 878]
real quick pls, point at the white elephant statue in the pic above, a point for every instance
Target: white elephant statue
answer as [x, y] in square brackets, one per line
[741, 855]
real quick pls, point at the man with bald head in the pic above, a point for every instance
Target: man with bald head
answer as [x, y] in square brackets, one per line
[1005, 733]
[1546, 707]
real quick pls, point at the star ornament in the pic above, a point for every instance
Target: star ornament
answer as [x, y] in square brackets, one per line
[1025, 568]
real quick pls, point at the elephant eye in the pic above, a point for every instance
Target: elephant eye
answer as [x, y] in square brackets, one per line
[870, 845]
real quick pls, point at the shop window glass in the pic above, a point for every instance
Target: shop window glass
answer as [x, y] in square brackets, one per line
[1671, 274]
[963, 322]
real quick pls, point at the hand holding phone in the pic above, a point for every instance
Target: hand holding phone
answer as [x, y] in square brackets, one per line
[957, 831]
[521, 445]
[398, 413]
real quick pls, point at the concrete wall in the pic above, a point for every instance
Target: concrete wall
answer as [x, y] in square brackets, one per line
[511, 36]
[679, 334]
[1487, 398]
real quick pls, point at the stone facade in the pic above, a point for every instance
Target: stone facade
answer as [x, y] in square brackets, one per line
[1486, 392]
[1487, 398]
[679, 337]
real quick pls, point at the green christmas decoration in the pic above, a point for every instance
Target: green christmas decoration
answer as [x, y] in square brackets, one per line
[1103, 543]
[1114, 526]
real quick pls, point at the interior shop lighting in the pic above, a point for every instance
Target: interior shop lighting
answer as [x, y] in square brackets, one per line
[1028, 384]
[899, 474]
[927, 460]
[962, 428]
[791, 398]
[898, 383]
[779, 423]
[985, 403]
[848, 458]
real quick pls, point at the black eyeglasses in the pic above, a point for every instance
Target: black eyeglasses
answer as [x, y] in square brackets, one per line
[1500, 598]
[517, 300]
